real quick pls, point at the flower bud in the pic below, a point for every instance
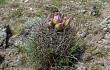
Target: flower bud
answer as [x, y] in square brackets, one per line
[64, 19]
[67, 23]
[56, 19]
[58, 26]
[50, 23]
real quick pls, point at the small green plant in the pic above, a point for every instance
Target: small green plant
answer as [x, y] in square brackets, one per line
[29, 47]
[16, 28]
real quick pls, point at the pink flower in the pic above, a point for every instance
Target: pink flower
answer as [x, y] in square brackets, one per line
[68, 20]
[56, 19]
[50, 19]
[67, 23]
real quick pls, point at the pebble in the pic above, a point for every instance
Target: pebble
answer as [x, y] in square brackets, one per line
[105, 24]
[104, 42]
[30, 9]
[26, 1]
[107, 36]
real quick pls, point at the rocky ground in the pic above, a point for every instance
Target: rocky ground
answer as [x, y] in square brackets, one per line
[93, 17]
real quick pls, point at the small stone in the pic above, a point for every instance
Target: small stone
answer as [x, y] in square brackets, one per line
[105, 29]
[82, 11]
[81, 66]
[30, 9]
[105, 24]
[26, 1]
[107, 36]
[105, 42]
